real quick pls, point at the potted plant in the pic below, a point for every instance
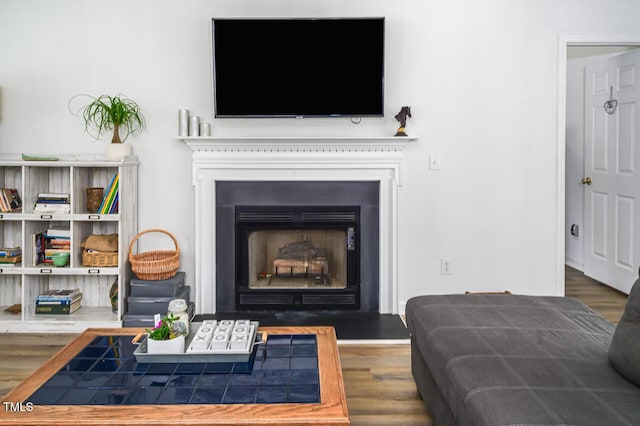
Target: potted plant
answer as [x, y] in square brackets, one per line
[167, 337]
[106, 113]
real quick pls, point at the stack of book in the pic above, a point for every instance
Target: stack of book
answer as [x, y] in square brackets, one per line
[57, 240]
[109, 203]
[9, 256]
[10, 200]
[49, 202]
[59, 301]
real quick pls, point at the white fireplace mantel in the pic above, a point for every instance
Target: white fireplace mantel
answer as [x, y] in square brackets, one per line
[296, 159]
[298, 143]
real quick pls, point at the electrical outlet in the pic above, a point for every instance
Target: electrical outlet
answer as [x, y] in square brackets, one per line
[446, 266]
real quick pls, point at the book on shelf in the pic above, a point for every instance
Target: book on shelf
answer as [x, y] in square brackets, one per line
[114, 206]
[38, 246]
[51, 202]
[110, 196]
[15, 202]
[58, 233]
[58, 243]
[57, 309]
[10, 256]
[52, 250]
[57, 240]
[45, 300]
[4, 205]
[53, 196]
[10, 200]
[58, 301]
[60, 295]
[107, 192]
[10, 251]
[52, 208]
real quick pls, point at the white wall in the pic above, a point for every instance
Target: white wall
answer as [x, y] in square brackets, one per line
[480, 76]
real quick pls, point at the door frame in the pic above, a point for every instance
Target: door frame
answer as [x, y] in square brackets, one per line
[566, 40]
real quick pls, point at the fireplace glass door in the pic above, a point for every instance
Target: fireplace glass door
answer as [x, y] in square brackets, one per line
[297, 257]
[290, 258]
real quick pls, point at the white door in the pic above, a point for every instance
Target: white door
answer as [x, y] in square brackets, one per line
[612, 179]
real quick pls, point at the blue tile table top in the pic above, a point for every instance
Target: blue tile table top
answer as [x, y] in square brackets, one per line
[105, 372]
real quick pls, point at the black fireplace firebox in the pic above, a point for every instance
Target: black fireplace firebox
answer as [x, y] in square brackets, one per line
[297, 246]
[297, 257]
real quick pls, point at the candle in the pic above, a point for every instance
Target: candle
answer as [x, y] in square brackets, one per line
[205, 129]
[183, 122]
[194, 126]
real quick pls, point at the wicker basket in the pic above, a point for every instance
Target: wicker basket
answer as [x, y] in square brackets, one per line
[156, 264]
[99, 258]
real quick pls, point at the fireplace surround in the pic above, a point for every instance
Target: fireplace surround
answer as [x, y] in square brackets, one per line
[297, 245]
[304, 159]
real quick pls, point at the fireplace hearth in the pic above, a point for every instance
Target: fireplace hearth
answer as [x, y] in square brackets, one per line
[297, 245]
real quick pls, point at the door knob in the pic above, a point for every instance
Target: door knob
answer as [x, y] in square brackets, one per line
[586, 180]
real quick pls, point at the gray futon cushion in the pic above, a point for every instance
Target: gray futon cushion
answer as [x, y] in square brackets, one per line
[624, 352]
[521, 360]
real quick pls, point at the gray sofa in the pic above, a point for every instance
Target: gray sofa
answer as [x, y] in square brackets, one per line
[524, 360]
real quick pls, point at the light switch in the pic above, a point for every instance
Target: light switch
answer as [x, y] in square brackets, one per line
[434, 161]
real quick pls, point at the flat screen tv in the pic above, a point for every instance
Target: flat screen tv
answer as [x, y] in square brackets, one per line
[302, 67]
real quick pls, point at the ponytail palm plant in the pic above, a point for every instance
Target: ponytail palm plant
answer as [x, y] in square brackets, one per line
[106, 113]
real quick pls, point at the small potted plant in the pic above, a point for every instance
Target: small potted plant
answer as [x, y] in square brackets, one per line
[106, 113]
[167, 337]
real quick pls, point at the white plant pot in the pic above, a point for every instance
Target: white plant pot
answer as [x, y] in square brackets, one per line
[117, 151]
[173, 346]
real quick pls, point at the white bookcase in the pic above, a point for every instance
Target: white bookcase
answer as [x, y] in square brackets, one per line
[21, 283]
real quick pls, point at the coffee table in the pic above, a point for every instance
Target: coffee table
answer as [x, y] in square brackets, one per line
[329, 409]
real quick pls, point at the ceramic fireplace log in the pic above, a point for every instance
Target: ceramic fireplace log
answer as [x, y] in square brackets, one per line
[300, 266]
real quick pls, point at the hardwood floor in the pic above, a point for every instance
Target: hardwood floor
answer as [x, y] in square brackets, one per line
[379, 387]
[607, 301]
[377, 378]
[22, 354]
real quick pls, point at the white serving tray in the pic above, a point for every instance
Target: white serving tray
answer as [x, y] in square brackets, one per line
[209, 355]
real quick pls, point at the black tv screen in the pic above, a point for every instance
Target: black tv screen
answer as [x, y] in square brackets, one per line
[299, 67]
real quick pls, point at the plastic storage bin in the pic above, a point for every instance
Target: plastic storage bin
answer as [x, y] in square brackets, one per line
[154, 305]
[170, 287]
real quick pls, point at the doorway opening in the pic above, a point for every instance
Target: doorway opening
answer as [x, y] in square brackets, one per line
[575, 53]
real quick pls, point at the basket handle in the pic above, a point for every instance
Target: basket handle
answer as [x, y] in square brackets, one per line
[140, 234]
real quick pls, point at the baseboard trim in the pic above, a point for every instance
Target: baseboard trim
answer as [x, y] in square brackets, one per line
[574, 263]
